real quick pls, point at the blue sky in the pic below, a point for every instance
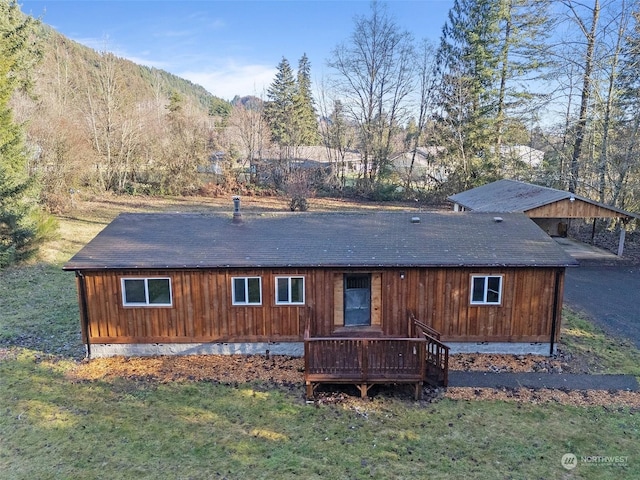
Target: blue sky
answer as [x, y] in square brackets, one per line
[228, 46]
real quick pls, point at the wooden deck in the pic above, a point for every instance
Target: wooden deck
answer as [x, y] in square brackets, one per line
[369, 361]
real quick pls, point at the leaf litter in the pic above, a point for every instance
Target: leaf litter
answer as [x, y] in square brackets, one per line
[288, 371]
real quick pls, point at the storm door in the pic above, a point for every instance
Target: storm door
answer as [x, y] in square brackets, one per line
[357, 300]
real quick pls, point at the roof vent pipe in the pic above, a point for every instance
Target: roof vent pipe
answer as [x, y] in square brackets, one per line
[237, 215]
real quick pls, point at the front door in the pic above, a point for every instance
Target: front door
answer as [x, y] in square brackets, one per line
[357, 300]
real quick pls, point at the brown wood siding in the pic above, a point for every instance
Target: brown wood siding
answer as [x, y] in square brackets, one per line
[202, 309]
[568, 209]
[441, 299]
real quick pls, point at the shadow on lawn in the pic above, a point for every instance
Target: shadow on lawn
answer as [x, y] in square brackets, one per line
[40, 311]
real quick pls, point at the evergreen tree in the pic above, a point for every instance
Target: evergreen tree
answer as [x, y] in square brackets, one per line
[468, 61]
[220, 108]
[280, 108]
[22, 225]
[624, 166]
[176, 102]
[490, 51]
[290, 109]
[524, 28]
[305, 106]
[468, 49]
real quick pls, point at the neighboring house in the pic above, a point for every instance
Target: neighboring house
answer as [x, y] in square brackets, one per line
[430, 168]
[522, 154]
[427, 167]
[214, 165]
[551, 209]
[197, 283]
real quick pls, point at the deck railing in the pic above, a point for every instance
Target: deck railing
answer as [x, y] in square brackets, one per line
[437, 357]
[368, 361]
[364, 361]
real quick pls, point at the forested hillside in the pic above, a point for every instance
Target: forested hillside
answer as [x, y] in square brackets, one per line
[537, 90]
[100, 122]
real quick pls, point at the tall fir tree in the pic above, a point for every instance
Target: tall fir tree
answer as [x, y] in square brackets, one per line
[468, 61]
[280, 108]
[625, 184]
[23, 226]
[305, 105]
[525, 26]
[290, 109]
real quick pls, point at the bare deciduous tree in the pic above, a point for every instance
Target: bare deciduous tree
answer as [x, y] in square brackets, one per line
[113, 128]
[425, 68]
[373, 73]
[248, 127]
[588, 27]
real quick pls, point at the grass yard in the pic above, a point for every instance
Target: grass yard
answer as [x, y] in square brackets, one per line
[54, 426]
[599, 352]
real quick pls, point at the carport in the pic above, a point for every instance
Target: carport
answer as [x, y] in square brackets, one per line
[551, 209]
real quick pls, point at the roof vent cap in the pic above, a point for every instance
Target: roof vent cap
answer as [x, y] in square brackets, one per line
[237, 215]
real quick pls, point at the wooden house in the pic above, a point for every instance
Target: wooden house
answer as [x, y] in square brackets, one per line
[551, 209]
[198, 283]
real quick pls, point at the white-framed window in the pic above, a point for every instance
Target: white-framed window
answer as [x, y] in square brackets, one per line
[246, 290]
[146, 292]
[486, 289]
[289, 290]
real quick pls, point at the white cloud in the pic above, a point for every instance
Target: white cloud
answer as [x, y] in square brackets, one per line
[232, 79]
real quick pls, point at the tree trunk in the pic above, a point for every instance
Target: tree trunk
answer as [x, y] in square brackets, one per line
[581, 127]
[602, 165]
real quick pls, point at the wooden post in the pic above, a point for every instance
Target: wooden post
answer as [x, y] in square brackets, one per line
[623, 232]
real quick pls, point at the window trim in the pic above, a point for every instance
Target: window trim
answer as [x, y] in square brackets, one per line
[486, 290]
[246, 303]
[146, 303]
[289, 291]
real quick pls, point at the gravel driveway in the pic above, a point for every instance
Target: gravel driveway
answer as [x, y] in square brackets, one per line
[609, 295]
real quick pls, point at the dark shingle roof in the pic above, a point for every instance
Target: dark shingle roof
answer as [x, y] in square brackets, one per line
[382, 239]
[513, 196]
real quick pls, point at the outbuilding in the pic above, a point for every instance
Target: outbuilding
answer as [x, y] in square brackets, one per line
[550, 208]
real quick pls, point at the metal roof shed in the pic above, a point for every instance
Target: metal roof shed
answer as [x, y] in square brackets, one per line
[548, 207]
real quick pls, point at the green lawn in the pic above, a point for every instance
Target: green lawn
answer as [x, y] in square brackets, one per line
[600, 352]
[53, 427]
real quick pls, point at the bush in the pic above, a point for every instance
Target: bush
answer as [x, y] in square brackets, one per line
[298, 203]
[386, 193]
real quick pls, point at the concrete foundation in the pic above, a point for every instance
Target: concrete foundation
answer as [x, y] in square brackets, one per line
[102, 350]
[294, 349]
[500, 347]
